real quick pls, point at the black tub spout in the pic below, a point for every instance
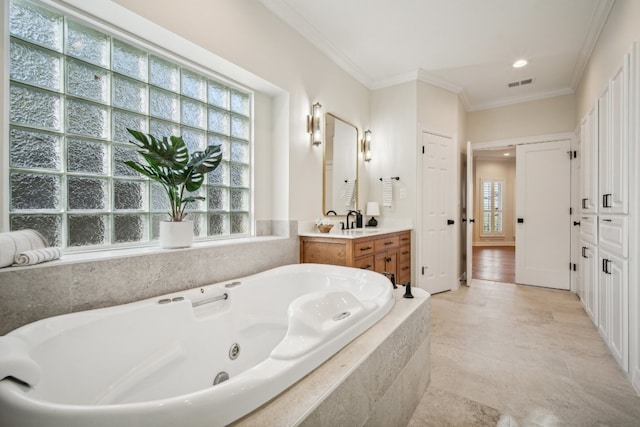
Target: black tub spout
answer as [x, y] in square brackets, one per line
[407, 291]
[392, 278]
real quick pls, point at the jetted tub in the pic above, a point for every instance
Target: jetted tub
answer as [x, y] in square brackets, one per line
[165, 361]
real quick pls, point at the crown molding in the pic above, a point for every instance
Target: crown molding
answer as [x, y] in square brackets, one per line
[281, 10]
[598, 19]
[521, 99]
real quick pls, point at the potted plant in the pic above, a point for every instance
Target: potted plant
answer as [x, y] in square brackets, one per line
[169, 163]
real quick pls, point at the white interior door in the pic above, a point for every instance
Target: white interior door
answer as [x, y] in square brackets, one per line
[543, 228]
[469, 213]
[436, 268]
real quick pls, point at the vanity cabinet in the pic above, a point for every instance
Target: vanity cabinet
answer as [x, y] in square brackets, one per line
[388, 252]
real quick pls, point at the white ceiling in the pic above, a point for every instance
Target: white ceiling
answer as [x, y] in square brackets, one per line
[466, 46]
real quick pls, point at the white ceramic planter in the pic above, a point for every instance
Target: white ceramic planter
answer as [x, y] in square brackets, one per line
[176, 234]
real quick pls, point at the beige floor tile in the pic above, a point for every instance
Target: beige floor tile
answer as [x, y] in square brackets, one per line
[519, 356]
[440, 408]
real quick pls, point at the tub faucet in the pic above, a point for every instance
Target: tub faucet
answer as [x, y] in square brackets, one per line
[407, 291]
[392, 278]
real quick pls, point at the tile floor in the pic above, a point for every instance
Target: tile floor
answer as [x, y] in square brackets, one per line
[509, 355]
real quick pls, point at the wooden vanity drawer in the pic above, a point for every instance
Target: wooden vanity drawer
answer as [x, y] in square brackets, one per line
[365, 263]
[386, 243]
[404, 272]
[363, 248]
[404, 253]
[405, 238]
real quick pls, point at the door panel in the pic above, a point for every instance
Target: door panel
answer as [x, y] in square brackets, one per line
[470, 218]
[438, 182]
[543, 233]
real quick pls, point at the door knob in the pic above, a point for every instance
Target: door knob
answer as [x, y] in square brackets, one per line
[576, 222]
[450, 222]
[472, 220]
[520, 220]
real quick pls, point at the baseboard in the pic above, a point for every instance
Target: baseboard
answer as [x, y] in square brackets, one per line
[498, 243]
[635, 379]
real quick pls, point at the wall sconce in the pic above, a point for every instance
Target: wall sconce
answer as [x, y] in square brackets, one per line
[314, 122]
[366, 146]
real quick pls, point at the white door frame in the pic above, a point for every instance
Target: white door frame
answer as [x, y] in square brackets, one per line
[417, 275]
[476, 146]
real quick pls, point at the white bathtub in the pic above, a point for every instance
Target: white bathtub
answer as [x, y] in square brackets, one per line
[154, 362]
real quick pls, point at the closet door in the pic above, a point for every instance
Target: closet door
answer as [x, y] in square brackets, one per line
[613, 318]
[603, 296]
[589, 272]
[619, 336]
[589, 162]
[543, 225]
[616, 195]
[613, 136]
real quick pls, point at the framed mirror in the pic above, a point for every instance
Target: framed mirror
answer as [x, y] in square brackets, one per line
[340, 166]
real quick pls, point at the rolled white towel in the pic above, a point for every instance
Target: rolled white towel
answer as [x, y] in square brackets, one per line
[7, 250]
[14, 242]
[26, 240]
[37, 256]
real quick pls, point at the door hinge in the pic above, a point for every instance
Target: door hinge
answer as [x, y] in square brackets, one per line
[423, 270]
[575, 267]
[572, 154]
[570, 211]
[423, 149]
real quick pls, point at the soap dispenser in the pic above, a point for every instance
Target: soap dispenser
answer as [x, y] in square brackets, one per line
[359, 219]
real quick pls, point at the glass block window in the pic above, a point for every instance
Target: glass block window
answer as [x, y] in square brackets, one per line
[74, 91]
[492, 207]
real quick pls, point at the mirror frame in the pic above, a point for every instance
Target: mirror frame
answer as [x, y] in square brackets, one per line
[324, 164]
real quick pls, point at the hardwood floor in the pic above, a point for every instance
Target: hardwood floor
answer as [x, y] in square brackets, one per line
[494, 263]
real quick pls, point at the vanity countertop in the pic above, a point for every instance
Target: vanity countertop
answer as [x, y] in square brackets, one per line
[354, 233]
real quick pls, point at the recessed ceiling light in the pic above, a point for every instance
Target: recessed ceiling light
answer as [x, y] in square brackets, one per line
[520, 63]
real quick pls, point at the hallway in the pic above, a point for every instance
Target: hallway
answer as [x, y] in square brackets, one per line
[494, 263]
[509, 355]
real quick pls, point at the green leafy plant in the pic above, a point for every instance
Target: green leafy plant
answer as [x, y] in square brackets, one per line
[169, 163]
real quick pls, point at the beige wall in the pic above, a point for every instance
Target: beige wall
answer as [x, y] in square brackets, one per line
[503, 170]
[245, 33]
[438, 110]
[542, 117]
[394, 130]
[620, 31]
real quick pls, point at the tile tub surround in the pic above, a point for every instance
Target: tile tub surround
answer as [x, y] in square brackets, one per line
[376, 380]
[28, 294]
